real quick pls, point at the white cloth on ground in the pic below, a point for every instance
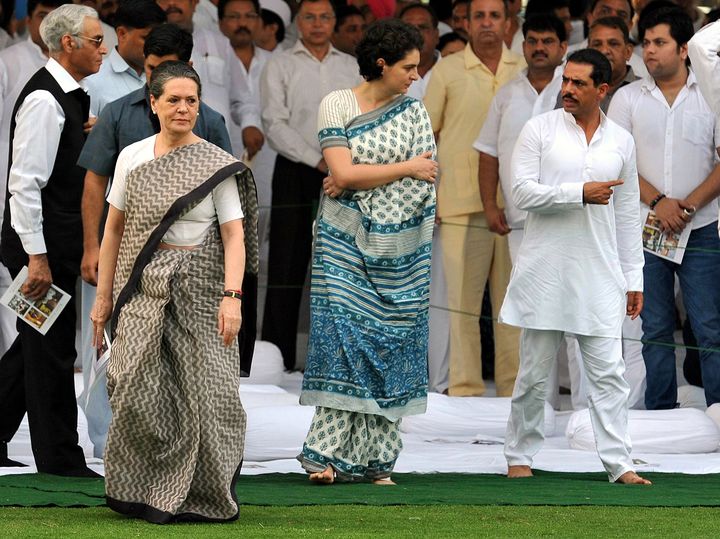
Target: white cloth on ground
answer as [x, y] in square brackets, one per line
[678, 431]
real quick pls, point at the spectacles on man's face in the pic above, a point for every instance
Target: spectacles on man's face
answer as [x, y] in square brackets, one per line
[323, 18]
[97, 41]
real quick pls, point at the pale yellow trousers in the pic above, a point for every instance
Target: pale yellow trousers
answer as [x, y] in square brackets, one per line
[472, 257]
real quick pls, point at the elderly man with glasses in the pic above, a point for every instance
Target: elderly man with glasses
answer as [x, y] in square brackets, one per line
[42, 230]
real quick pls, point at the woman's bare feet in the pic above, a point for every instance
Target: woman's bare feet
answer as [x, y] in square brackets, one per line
[326, 477]
[631, 478]
[384, 481]
[519, 471]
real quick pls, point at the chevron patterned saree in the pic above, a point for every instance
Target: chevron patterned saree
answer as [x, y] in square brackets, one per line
[176, 439]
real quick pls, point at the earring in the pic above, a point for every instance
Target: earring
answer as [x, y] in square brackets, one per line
[154, 111]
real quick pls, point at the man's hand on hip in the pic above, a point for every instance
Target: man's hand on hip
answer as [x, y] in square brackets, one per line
[599, 192]
[39, 277]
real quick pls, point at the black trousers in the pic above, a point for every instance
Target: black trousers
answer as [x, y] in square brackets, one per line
[296, 190]
[37, 377]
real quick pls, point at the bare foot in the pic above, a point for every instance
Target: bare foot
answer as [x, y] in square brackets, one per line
[519, 471]
[385, 481]
[326, 477]
[631, 478]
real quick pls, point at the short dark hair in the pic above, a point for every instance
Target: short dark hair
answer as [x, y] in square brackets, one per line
[301, 2]
[545, 6]
[430, 11]
[545, 22]
[172, 69]
[33, 4]
[390, 39]
[602, 69]
[270, 17]
[680, 23]
[449, 38]
[713, 15]
[342, 12]
[222, 4]
[460, 3]
[616, 23]
[441, 8]
[594, 3]
[139, 14]
[169, 39]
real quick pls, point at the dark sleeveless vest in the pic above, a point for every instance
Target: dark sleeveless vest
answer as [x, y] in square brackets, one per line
[61, 197]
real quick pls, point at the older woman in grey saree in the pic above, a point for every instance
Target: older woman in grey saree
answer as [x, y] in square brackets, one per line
[173, 259]
[367, 357]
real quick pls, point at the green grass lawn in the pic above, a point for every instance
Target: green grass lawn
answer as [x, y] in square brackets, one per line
[350, 521]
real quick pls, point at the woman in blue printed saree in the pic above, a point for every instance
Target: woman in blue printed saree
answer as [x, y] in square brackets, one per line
[367, 357]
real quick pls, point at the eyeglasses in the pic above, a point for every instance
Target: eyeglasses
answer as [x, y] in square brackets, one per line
[324, 18]
[97, 41]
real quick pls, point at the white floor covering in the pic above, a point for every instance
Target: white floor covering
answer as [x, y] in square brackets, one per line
[468, 441]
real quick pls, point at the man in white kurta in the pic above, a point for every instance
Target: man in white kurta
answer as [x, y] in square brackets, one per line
[579, 267]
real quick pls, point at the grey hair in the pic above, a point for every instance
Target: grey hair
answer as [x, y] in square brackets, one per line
[172, 69]
[67, 19]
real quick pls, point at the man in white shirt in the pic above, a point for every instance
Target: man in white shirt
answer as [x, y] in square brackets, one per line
[703, 51]
[239, 22]
[291, 88]
[531, 93]
[612, 8]
[579, 269]
[225, 88]
[206, 15]
[677, 136]
[122, 71]
[17, 64]
[42, 229]
[424, 19]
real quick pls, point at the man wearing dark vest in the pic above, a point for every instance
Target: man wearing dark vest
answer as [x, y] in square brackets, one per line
[42, 229]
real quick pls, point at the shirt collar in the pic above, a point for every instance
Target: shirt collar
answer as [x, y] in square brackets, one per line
[471, 59]
[61, 76]
[119, 65]
[571, 119]
[300, 48]
[649, 84]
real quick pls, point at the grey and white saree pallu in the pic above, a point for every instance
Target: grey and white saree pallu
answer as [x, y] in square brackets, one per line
[176, 439]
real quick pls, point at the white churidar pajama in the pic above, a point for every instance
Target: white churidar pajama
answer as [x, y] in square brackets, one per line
[573, 270]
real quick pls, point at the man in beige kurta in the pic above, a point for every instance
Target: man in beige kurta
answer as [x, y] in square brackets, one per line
[457, 98]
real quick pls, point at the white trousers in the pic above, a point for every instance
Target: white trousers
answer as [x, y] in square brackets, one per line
[607, 398]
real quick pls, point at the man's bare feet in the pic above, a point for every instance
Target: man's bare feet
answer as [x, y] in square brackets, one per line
[519, 471]
[326, 477]
[631, 478]
[385, 481]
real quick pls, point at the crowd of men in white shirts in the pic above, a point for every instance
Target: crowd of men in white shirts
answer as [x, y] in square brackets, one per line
[484, 72]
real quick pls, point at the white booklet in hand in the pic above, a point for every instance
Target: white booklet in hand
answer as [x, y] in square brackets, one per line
[664, 243]
[40, 314]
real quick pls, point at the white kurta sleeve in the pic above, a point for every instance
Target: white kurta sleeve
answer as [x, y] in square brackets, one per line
[703, 50]
[528, 192]
[628, 227]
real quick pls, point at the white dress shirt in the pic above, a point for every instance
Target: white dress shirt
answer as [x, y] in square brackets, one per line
[39, 124]
[17, 64]
[511, 108]
[291, 88]
[225, 87]
[114, 79]
[418, 87]
[263, 163]
[576, 261]
[703, 49]
[206, 16]
[676, 145]
[636, 60]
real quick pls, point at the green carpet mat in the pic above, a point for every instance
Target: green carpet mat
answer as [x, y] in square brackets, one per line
[546, 488]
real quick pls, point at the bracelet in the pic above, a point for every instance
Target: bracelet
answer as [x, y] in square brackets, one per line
[656, 200]
[237, 294]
